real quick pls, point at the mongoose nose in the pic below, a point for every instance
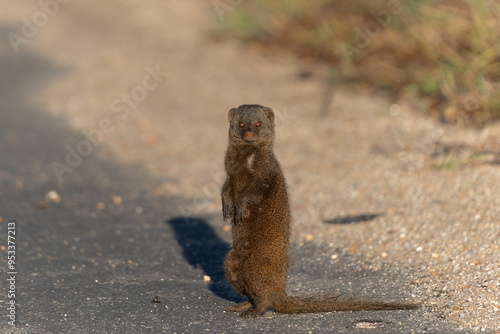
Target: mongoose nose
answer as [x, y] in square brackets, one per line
[248, 134]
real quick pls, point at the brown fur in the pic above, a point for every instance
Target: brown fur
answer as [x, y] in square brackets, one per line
[255, 202]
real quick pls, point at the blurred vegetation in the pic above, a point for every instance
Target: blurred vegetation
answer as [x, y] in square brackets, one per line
[454, 160]
[442, 54]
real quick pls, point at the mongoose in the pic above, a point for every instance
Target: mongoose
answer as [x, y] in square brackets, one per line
[255, 202]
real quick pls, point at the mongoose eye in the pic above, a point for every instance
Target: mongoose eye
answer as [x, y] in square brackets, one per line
[241, 125]
[259, 124]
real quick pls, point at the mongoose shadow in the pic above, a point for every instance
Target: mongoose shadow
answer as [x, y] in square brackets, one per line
[351, 219]
[203, 248]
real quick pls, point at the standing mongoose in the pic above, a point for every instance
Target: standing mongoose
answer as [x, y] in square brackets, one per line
[255, 202]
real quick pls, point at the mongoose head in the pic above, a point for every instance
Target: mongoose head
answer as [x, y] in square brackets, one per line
[251, 124]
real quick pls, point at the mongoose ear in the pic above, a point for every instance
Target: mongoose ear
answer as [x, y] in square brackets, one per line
[231, 114]
[270, 114]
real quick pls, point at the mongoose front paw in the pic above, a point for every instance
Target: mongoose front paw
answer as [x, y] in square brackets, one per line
[241, 214]
[227, 211]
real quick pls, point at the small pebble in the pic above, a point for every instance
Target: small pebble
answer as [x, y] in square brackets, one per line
[117, 200]
[43, 205]
[53, 196]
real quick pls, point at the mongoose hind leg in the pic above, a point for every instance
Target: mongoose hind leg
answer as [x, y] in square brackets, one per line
[233, 274]
[258, 311]
[240, 307]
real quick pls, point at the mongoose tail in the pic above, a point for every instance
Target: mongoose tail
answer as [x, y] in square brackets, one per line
[297, 304]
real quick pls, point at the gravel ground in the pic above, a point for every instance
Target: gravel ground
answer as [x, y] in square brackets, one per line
[432, 190]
